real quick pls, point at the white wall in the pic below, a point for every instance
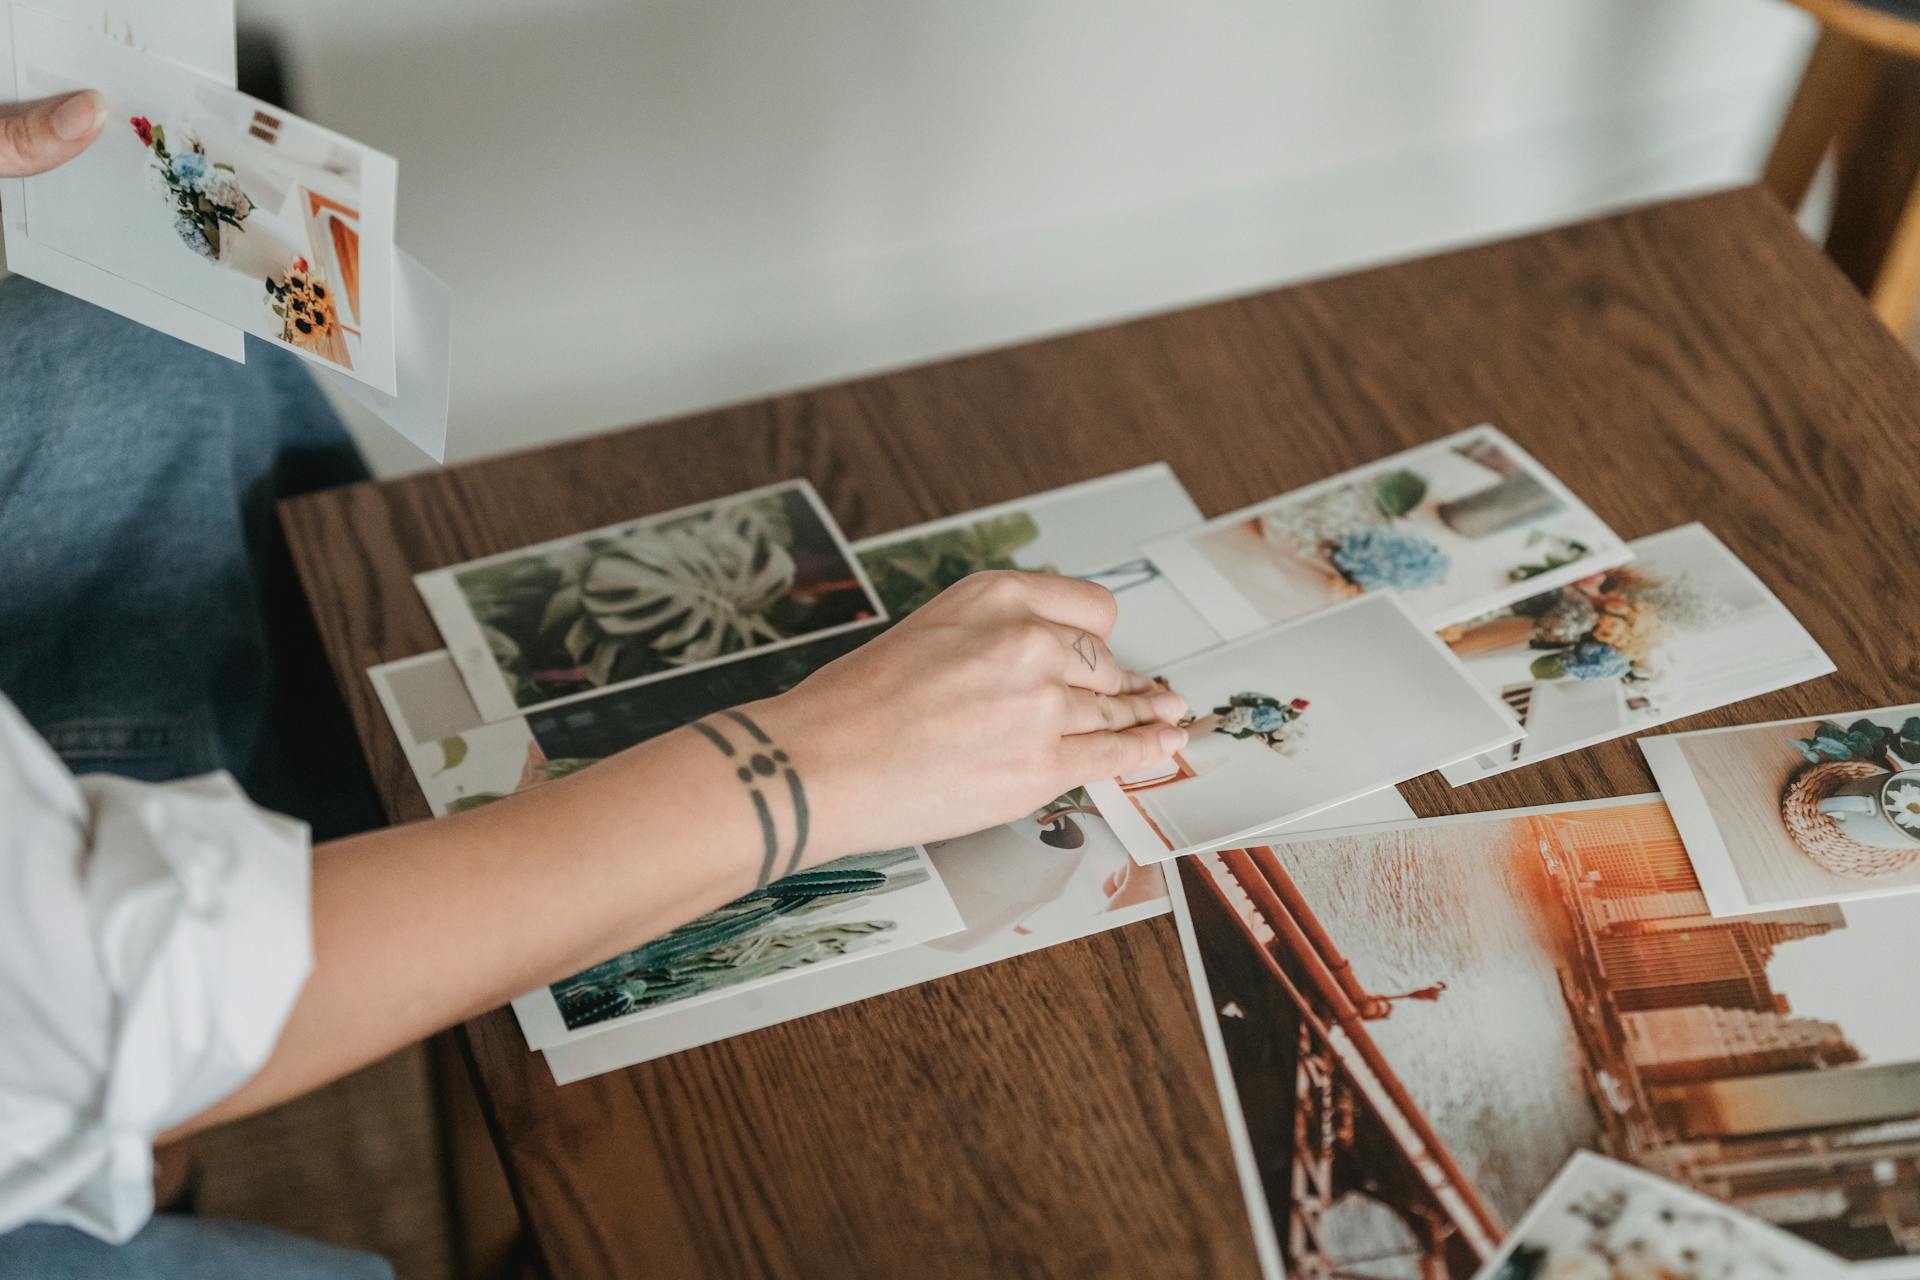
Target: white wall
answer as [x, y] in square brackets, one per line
[655, 206]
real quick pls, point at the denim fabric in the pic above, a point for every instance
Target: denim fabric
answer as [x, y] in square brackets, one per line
[150, 623]
[176, 1248]
[151, 626]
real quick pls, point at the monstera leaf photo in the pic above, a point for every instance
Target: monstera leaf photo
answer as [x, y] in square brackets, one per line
[649, 598]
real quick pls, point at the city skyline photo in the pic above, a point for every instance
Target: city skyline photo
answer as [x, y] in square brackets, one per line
[1543, 981]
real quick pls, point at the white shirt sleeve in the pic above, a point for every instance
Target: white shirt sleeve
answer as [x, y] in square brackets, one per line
[153, 940]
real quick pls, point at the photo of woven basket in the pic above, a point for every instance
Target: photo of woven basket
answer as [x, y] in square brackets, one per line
[1816, 833]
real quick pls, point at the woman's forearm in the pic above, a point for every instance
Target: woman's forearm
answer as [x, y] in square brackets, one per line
[418, 927]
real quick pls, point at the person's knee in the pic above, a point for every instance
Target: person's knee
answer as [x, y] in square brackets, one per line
[81, 379]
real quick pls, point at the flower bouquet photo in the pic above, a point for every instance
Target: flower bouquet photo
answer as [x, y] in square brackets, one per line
[1276, 724]
[1682, 627]
[200, 193]
[206, 194]
[1460, 526]
[1608, 626]
[304, 305]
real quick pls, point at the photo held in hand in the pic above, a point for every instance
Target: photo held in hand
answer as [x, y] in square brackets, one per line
[222, 202]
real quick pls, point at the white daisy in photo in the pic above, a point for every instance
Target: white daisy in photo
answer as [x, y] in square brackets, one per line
[1903, 805]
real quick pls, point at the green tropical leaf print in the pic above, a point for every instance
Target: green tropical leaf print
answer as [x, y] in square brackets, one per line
[1398, 492]
[909, 573]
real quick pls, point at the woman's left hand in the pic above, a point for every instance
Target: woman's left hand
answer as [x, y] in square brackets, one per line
[44, 134]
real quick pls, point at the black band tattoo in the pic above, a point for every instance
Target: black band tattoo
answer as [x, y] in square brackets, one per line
[760, 766]
[747, 723]
[1083, 645]
[713, 736]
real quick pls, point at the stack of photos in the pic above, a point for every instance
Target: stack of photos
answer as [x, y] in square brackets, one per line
[652, 598]
[1295, 720]
[1056, 875]
[1415, 1025]
[257, 219]
[1610, 1221]
[1459, 527]
[831, 915]
[1681, 628]
[1797, 812]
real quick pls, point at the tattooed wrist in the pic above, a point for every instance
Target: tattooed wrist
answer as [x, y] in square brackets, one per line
[771, 781]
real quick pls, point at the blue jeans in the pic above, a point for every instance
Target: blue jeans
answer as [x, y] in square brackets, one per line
[175, 1248]
[151, 624]
[150, 621]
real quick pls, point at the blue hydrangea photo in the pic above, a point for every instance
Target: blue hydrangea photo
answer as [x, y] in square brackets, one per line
[1459, 526]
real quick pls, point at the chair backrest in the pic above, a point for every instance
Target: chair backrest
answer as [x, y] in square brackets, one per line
[1886, 24]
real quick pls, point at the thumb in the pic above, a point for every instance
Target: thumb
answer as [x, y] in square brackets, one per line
[37, 136]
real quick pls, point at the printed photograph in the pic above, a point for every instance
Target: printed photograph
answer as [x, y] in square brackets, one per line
[1091, 530]
[842, 910]
[846, 909]
[1076, 529]
[1682, 627]
[1422, 1022]
[219, 201]
[1603, 1220]
[1299, 719]
[1459, 527]
[1057, 874]
[198, 34]
[657, 596]
[1797, 812]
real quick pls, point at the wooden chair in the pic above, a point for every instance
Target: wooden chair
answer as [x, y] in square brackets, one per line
[1860, 97]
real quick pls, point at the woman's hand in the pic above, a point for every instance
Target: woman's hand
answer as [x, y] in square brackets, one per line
[979, 708]
[41, 135]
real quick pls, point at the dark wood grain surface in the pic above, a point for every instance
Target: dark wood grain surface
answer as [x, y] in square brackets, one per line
[1055, 1115]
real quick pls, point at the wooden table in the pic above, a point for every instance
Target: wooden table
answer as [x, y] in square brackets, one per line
[1055, 1115]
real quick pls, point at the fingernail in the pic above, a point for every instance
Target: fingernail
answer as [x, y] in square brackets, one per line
[1172, 739]
[1169, 706]
[79, 116]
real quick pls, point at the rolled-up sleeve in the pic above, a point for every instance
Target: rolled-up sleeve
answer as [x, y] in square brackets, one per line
[153, 940]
